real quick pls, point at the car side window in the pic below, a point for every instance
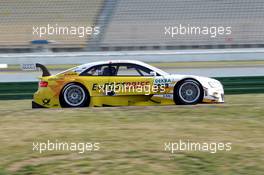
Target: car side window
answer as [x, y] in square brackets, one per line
[92, 72]
[120, 69]
[100, 70]
[127, 69]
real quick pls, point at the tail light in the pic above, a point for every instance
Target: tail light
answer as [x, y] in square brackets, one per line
[43, 84]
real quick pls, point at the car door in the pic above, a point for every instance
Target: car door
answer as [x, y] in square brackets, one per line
[96, 79]
[129, 80]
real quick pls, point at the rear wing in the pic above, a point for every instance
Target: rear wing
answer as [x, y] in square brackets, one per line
[45, 71]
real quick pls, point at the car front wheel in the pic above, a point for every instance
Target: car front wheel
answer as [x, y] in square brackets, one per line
[188, 92]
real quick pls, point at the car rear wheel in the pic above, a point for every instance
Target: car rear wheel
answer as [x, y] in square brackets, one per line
[188, 92]
[74, 95]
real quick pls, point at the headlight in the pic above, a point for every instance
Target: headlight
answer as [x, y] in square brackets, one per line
[215, 84]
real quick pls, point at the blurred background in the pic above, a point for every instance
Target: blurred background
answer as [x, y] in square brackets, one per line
[129, 24]
[135, 30]
[133, 137]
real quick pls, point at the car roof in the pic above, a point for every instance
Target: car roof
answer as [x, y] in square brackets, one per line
[88, 65]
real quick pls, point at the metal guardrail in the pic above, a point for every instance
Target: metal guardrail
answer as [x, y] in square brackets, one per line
[243, 85]
[145, 56]
[17, 90]
[232, 85]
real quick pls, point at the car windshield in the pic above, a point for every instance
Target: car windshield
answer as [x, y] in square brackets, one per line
[155, 69]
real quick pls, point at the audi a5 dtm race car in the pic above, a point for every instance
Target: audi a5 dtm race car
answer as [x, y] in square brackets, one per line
[122, 83]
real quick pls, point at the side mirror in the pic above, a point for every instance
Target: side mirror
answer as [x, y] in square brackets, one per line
[153, 73]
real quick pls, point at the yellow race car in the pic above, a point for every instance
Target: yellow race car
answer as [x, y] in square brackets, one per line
[122, 83]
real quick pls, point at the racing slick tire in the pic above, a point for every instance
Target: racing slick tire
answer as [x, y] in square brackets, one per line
[188, 92]
[74, 95]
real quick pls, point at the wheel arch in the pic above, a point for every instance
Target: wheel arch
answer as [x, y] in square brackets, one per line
[187, 78]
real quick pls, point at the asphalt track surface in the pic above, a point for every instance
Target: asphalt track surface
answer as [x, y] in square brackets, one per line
[23, 76]
[147, 56]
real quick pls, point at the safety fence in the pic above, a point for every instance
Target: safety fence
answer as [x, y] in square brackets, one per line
[232, 85]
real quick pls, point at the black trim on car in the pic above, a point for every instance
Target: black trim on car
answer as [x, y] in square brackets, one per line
[36, 105]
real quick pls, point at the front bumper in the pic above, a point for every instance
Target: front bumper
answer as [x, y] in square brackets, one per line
[214, 95]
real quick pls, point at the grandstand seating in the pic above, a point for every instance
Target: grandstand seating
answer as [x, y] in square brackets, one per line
[133, 24]
[18, 18]
[140, 23]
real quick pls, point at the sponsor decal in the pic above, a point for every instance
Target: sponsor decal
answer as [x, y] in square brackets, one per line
[162, 81]
[116, 86]
[70, 74]
[28, 67]
[3, 66]
[168, 96]
[56, 88]
[55, 79]
[46, 102]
